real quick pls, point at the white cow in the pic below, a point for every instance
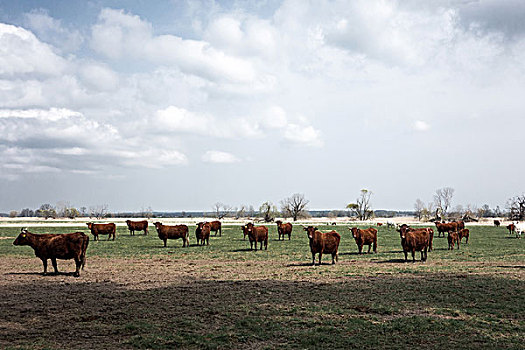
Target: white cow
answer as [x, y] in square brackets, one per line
[520, 227]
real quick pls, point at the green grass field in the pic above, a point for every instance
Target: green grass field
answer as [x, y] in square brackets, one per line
[136, 294]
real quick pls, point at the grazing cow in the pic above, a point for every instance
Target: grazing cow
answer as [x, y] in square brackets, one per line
[463, 233]
[520, 228]
[427, 229]
[334, 223]
[284, 229]
[416, 240]
[453, 237]
[257, 234]
[137, 226]
[445, 228]
[102, 229]
[497, 223]
[173, 232]
[365, 237]
[511, 227]
[379, 224]
[323, 243]
[216, 226]
[56, 246]
[203, 232]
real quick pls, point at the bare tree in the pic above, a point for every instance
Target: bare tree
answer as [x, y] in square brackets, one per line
[13, 214]
[362, 206]
[241, 212]
[295, 206]
[419, 207]
[268, 211]
[221, 210]
[98, 211]
[46, 211]
[443, 198]
[516, 206]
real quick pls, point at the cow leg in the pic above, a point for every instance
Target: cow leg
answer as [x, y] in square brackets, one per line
[333, 258]
[413, 255]
[165, 243]
[320, 257]
[208, 241]
[266, 243]
[54, 262]
[313, 259]
[44, 262]
[360, 249]
[369, 247]
[78, 264]
[289, 236]
[406, 255]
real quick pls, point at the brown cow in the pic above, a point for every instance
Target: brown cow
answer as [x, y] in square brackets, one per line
[137, 226]
[461, 225]
[203, 232]
[429, 230]
[445, 228]
[257, 234]
[173, 232]
[412, 241]
[497, 223]
[511, 228]
[365, 237]
[216, 226]
[102, 229]
[379, 224]
[323, 242]
[453, 238]
[464, 233]
[284, 229]
[244, 231]
[57, 246]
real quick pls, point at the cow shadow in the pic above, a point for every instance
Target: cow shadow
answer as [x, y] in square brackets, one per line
[241, 250]
[324, 263]
[49, 274]
[391, 261]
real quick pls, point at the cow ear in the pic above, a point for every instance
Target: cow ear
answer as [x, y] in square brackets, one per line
[315, 229]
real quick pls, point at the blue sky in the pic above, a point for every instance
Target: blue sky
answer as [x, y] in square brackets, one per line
[176, 105]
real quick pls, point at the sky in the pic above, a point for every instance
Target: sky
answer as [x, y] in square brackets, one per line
[177, 105]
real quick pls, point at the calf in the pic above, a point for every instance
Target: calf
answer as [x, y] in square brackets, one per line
[173, 232]
[463, 233]
[216, 226]
[137, 226]
[412, 241]
[257, 234]
[497, 223]
[102, 229]
[284, 229]
[202, 232]
[453, 237]
[365, 237]
[511, 228]
[461, 225]
[323, 243]
[445, 228]
[56, 246]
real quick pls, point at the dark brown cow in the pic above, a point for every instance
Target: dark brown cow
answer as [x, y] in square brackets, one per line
[244, 231]
[173, 232]
[284, 229]
[257, 234]
[463, 233]
[497, 223]
[379, 224]
[511, 228]
[445, 228]
[461, 225]
[453, 238]
[203, 233]
[412, 241]
[323, 243]
[429, 230]
[216, 226]
[365, 237]
[102, 229]
[137, 226]
[57, 246]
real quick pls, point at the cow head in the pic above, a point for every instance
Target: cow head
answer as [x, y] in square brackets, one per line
[355, 231]
[279, 223]
[22, 238]
[157, 225]
[89, 225]
[310, 231]
[201, 225]
[249, 227]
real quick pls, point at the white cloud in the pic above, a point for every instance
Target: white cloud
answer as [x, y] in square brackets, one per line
[420, 125]
[303, 135]
[219, 157]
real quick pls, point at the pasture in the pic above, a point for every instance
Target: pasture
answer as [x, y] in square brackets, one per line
[134, 293]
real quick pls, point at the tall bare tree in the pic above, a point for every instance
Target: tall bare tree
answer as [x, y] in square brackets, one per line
[268, 211]
[516, 206]
[362, 206]
[443, 199]
[98, 211]
[419, 207]
[221, 210]
[295, 206]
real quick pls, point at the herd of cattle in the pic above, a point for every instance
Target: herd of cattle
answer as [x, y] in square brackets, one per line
[74, 245]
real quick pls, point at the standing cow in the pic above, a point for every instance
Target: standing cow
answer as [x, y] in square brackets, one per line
[416, 240]
[497, 223]
[511, 227]
[216, 226]
[446, 227]
[463, 233]
[365, 237]
[137, 226]
[257, 234]
[202, 233]
[172, 232]
[56, 246]
[323, 243]
[284, 229]
[453, 238]
[102, 229]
